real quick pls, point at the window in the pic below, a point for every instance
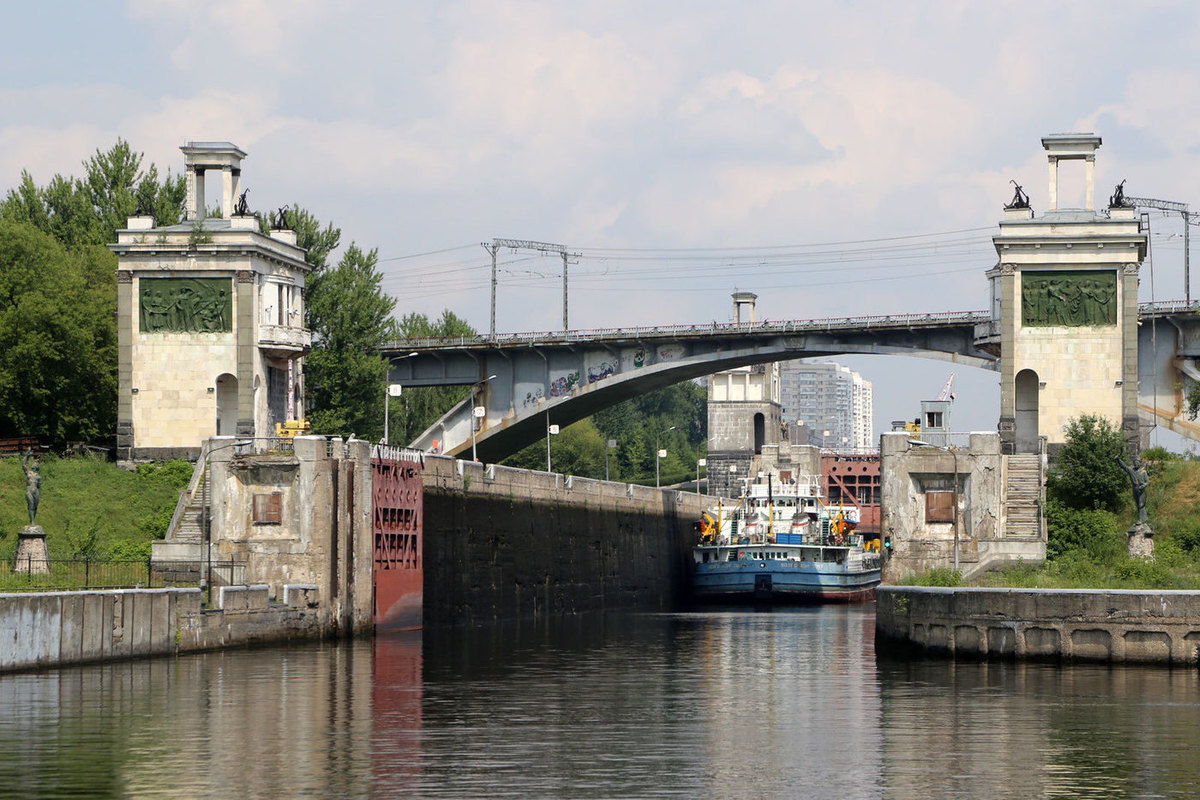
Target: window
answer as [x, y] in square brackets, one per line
[933, 419]
[939, 505]
[268, 508]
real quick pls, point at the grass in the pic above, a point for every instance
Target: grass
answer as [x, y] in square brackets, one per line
[91, 509]
[1173, 505]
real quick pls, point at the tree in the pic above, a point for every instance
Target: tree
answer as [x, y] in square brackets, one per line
[578, 449]
[90, 210]
[350, 318]
[421, 406]
[58, 338]
[1085, 473]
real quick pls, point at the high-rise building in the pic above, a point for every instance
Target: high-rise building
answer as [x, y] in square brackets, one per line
[833, 402]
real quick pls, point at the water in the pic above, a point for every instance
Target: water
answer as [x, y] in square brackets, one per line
[723, 704]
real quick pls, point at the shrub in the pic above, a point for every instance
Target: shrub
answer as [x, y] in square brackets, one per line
[938, 576]
[1085, 473]
[1093, 533]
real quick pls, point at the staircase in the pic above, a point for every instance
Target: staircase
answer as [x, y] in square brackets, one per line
[189, 528]
[1022, 496]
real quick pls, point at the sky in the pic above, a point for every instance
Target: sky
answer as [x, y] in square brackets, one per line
[838, 159]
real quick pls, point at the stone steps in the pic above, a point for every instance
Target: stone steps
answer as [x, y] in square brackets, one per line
[1022, 495]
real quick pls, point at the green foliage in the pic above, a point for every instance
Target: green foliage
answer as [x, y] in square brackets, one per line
[421, 406]
[58, 338]
[577, 450]
[1085, 473]
[1095, 533]
[1159, 453]
[350, 317]
[90, 507]
[89, 210]
[635, 424]
[938, 576]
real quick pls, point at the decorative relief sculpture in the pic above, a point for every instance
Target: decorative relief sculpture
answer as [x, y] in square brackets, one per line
[1072, 299]
[202, 305]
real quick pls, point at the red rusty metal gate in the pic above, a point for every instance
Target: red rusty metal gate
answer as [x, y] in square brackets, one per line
[397, 498]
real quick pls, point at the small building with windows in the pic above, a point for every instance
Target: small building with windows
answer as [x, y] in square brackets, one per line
[210, 317]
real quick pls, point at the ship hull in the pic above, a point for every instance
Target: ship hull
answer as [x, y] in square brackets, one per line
[772, 580]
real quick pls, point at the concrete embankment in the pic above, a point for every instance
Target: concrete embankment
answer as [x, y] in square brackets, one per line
[52, 629]
[506, 544]
[1111, 625]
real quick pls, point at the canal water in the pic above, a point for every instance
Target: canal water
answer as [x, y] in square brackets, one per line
[737, 703]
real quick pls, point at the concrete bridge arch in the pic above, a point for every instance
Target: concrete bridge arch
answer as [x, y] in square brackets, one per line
[525, 382]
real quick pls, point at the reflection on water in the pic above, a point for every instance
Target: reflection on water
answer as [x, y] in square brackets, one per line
[789, 703]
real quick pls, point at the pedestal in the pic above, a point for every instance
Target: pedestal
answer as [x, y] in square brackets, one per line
[1141, 540]
[32, 557]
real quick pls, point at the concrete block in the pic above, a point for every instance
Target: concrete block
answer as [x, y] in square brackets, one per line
[301, 595]
[968, 640]
[1152, 646]
[1093, 644]
[1041, 642]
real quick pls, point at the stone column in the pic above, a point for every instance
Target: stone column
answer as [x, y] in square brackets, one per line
[1130, 428]
[1052, 196]
[1010, 320]
[227, 192]
[246, 352]
[125, 324]
[201, 211]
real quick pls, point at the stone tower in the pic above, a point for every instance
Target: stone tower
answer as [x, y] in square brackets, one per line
[1065, 305]
[210, 321]
[744, 415]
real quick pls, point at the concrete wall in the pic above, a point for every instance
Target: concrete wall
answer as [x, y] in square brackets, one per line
[1160, 627]
[53, 629]
[503, 544]
[324, 534]
[911, 471]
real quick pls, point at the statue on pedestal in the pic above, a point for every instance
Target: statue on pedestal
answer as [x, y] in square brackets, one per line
[33, 485]
[1141, 541]
[32, 556]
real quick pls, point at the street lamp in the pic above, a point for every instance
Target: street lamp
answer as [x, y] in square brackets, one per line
[953, 492]
[609, 445]
[551, 430]
[206, 519]
[391, 390]
[703, 462]
[477, 413]
[659, 454]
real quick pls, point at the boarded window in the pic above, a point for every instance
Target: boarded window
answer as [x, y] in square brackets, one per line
[268, 508]
[939, 506]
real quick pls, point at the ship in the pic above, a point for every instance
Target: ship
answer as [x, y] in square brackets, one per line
[781, 543]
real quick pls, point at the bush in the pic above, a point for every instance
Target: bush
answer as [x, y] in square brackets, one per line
[938, 576]
[1094, 534]
[1085, 472]
[1159, 453]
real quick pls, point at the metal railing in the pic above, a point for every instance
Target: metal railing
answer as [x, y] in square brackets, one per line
[869, 322]
[70, 574]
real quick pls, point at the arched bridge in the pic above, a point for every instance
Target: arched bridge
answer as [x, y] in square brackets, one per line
[560, 378]
[526, 381]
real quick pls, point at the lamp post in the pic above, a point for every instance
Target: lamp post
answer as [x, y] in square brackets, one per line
[608, 445]
[659, 454]
[206, 521]
[703, 462]
[953, 491]
[551, 430]
[477, 413]
[391, 390]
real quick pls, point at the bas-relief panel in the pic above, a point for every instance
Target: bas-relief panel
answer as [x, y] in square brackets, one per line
[1072, 299]
[196, 305]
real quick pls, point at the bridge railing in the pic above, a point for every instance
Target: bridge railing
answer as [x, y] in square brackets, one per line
[890, 321]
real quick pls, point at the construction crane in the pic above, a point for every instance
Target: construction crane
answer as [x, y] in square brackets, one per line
[948, 390]
[1189, 219]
